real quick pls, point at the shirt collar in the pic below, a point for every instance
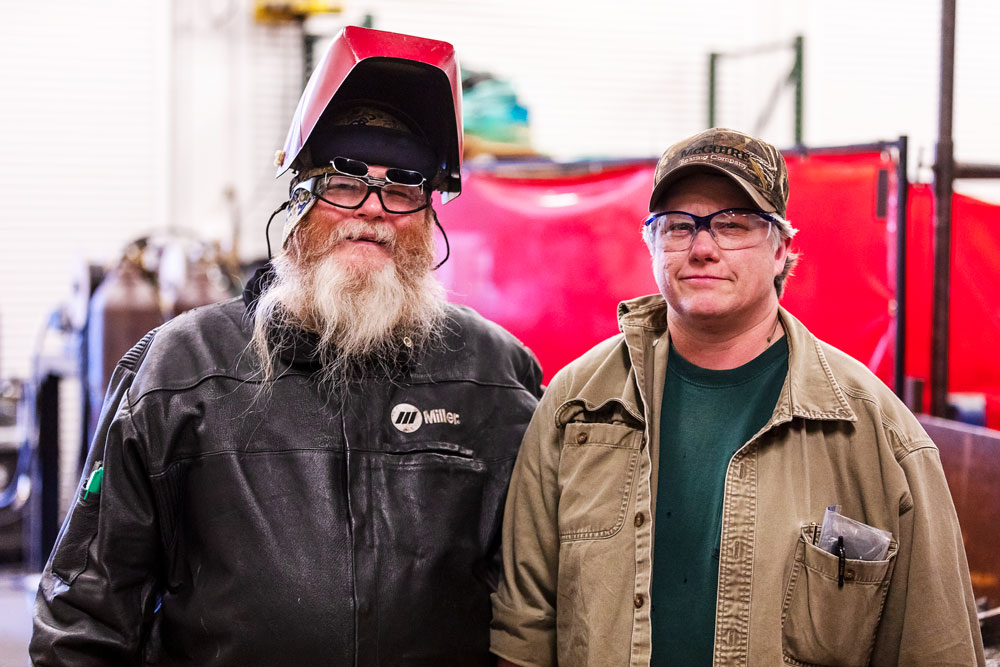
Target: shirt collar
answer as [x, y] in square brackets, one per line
[811, 390]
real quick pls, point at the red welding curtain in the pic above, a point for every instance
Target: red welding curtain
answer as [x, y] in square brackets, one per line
[550, 258]
[843, 288]
[975, 275]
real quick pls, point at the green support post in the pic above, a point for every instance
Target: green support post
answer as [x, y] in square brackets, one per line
[712, 62]
[798, 70]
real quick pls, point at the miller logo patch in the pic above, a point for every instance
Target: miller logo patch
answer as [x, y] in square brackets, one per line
[406, 417]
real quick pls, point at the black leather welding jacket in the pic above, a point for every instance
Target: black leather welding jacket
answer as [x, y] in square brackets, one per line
[297, 527]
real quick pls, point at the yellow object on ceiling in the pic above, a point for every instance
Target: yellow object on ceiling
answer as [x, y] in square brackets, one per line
[270, 11]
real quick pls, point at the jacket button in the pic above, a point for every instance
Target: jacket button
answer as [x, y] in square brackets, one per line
[639, 518]
[638, 600]
[581, 438]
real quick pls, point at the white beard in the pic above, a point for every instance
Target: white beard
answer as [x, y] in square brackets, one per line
[363, 319]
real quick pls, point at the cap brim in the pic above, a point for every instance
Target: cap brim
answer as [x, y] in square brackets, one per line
[682, 172]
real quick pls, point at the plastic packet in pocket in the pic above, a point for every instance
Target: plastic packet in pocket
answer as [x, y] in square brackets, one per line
[861, 541]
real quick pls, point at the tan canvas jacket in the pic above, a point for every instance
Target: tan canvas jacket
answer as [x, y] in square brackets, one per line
[578, 529]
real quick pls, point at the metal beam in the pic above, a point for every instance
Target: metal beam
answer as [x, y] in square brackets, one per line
[944, 175]
[970, 170]
[713, 65]
[902, 187]
[799, 76]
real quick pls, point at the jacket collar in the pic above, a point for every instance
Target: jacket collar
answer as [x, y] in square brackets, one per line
[256, 285]
[811, 390]
[617, 377]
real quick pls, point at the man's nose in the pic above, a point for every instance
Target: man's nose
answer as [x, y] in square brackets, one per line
[371, 206]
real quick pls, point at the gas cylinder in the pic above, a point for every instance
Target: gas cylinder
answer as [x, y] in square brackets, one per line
[123, 308]
[202, 285]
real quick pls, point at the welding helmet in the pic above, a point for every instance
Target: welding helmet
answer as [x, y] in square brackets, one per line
[413, 79]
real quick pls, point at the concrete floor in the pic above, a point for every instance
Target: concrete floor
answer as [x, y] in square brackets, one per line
[17, 597]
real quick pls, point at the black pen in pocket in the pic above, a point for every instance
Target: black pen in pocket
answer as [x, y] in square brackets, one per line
[841, 561]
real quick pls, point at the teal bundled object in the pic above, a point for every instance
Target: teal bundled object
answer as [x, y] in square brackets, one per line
[491, 110]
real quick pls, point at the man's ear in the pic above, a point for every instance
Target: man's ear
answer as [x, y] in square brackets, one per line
[780, 253]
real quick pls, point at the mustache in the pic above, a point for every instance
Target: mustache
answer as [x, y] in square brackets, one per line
[353, 230]
[313, 242]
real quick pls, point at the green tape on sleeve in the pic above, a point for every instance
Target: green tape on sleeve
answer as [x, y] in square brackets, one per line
[93, 485]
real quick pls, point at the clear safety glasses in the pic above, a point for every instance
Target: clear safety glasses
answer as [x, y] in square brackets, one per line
[732, 228]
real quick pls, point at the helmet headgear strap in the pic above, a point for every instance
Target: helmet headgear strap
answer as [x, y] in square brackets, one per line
[267, 229]
[447, 246]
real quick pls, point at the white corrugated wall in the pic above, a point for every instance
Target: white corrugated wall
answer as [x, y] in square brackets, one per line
[79, 127]
[121, 117]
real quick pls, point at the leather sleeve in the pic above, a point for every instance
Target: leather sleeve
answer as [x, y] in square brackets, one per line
[529, 375]
[531, 378]
[97, 591]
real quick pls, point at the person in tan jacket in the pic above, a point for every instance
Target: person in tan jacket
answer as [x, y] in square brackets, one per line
[716, 486]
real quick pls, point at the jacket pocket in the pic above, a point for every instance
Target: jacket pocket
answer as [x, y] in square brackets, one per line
[71, 551]
[596, 472]
[823, 623]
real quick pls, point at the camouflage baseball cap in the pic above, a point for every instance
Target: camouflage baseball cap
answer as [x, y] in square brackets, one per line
[756, 166]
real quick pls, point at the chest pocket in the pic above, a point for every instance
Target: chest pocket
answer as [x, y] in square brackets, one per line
[597, 471]
[825, 623]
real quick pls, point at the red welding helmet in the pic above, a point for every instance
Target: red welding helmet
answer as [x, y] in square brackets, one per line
[416, 78]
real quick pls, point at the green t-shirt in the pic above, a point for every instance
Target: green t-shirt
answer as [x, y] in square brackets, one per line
[706, 416]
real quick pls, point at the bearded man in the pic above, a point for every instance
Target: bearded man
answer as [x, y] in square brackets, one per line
[314, 474]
